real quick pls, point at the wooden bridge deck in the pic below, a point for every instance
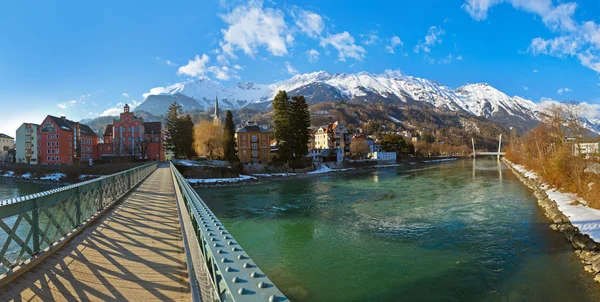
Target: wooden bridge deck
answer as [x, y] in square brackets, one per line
[134, 253]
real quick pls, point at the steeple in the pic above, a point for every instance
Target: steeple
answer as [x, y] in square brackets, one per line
[217, 118]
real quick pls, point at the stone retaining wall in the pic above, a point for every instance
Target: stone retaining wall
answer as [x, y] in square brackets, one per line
[587, 249]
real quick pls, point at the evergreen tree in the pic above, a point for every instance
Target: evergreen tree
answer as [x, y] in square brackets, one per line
[229, 143]
[172, 127]
[186, 139]
[299, 119]
[281, 122]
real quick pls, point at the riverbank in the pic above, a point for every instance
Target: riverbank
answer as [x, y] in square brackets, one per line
[260, 179]
[569, 215]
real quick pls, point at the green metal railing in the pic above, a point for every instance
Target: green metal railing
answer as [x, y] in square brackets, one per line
[234, 276]
[31, 224]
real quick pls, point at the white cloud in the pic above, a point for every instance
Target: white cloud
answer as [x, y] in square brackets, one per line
[459, 58]
[432, 38]
[535, 71]
[199, 67]
[165, 62]
[394, 42]
[251, 26]
[590, 111]
[237, 67]
[564, 90]
[72, 102]
[526, 88]
[112, 111]
[125, 94]
[196, 67]
[308, 22]
[344, 44]
[578, 40]
[62, 106]
[313, 55]
[393, 73]
[290, 69]
[371, 38]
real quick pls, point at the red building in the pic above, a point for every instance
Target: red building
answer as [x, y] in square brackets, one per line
[130, 137]
[65, 142]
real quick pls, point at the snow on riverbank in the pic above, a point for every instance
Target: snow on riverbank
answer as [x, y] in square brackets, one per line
[219, 180]
[583, 217]
[439, 160]
[276, 175]
[53, 177]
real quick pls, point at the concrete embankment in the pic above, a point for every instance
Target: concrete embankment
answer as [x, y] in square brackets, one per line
[585, 247]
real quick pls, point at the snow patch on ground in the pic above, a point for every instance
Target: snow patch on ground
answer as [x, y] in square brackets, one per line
[188, 163]
[321, 169]
[581, 216]
[219, 180]
[54, 176]
[395, 120]
[26, 176]
[585, 218]
[9, 174]
[87, 176]
[526, 172]
[276, 175]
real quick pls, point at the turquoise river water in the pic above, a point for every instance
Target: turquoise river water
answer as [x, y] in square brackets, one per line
[453, 231]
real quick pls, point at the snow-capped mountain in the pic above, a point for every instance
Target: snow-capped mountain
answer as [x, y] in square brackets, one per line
[478, 99]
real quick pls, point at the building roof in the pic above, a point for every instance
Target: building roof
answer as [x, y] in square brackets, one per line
[109, 130]
[251, 127]
[2, 135]
[153, 127]
[63, 122]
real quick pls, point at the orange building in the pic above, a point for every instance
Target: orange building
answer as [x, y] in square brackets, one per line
[65, 142]
[131, 137]
[253, 144]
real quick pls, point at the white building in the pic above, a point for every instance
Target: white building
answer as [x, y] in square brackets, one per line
[6, 143]
[384, 156]
[326, 155]
[587, 149]
[27, 144]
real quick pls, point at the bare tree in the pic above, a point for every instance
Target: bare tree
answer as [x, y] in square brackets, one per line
[209, 139]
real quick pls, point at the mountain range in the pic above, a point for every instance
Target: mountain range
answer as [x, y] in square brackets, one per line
[480, 99]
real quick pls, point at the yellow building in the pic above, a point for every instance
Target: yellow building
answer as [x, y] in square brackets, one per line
[253, 144]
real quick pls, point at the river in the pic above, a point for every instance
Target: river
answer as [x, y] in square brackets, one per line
[10, 188]
[453, 231]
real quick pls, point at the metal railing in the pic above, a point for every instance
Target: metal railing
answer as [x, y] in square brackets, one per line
[33, 223]
[234, 276]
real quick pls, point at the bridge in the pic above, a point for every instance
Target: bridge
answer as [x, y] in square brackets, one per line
[143, 234]
[489, 153]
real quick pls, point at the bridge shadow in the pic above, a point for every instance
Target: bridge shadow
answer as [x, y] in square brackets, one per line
[134, 252]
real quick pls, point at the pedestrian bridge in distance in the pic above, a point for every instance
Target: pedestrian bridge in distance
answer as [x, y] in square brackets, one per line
[488, 154]
[142, 234]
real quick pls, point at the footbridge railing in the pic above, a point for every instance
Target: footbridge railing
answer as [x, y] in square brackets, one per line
[234, 276]
[33, 226]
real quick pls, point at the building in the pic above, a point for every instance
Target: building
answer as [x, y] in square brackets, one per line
[384, 156]
[27, 144]
[6, 144]
[253, 144]
[130, 138]
[217, 115]
[334, 135]
[326, 155]
[587, 149]
[65, 142]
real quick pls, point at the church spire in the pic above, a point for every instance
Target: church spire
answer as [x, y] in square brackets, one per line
[217, 118]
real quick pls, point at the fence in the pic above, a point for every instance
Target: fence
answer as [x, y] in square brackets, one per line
[31, 224]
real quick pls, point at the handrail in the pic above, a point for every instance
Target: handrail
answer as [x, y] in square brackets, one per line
[30, 224]
[234, 275]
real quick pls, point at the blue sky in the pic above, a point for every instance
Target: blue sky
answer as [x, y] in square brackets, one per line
[86, 59]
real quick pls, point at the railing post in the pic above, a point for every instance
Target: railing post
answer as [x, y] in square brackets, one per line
[77, 207]
[35, 224]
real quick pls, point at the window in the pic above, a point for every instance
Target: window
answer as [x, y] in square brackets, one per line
[52, 136]
[57, 136]
[48, 136]
[254, 153]
[48, 151]
[48, 158]
[244, 152]
[254, 138]
[264, 137]
[39, 137]
[47, 144]
[265, 152]
[70, 144]
[70, 158]
[52, 144]
[57, 144]
[243, 137]
[70, 151]
[57, 151]
[244, 145]
[254, 146]
[70, 137]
